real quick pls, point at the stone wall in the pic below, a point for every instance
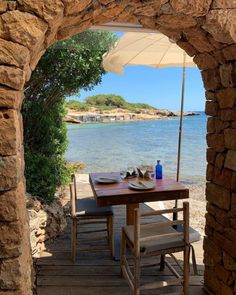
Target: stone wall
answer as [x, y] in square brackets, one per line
[205, 29]
[46, 222]
[220, 240]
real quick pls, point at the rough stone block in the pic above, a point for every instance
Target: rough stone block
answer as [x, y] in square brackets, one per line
[212, 222]
[226, 290]
[10, 137]
[187, 47]
[65, 33]
[211, 79]
[10, 99]
[219, 57]
[212, 282]
[233, 182]
[230, 233]
[176, 21]
[192, 7]
[222, 177]
[233, 124]
[211, 125]
[228, 114]
[216, 141]
[10, 251]
[226, 244]
[221, 215]
[25, 28]
[211, 155]
[149, 9]
[226, 98]
[229, 262]
[75, 6]
[230, 138]
[210, 95]
[10, 172]
[220, 24]
[198, 39]
[12, 204]
[205, 61]
[233, 223]
[209, 172]
[10, 233]
[12, 77]
[233, 204]
[228, 74]
[220, 125]
[170, 33]
[212, 252]
[222, 273]
[218, 195]
[211, 108]
[219, 162]
[3, 6]
[230, 160]
[223, 4]
[13, 54]
[51, 11]
[10, 274]
[229, 52]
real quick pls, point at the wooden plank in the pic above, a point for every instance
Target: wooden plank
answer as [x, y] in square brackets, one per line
[121, 290]
[100, 280]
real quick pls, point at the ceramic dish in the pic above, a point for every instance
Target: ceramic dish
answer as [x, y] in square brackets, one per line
[141, 185]
[107, 180]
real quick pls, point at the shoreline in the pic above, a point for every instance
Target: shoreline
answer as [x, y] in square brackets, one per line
[121, 115]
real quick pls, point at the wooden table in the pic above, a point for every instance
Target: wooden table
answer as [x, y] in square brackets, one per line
[119, 193]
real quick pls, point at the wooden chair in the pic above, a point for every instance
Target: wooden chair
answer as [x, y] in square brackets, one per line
[85, 212]
[156, 239]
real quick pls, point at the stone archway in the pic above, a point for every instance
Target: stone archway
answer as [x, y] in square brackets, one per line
[203, 28]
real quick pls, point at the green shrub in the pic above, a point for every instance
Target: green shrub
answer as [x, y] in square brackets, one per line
[45, 145]
[65, 69]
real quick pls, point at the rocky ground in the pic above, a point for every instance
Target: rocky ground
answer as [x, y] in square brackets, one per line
[74, 116]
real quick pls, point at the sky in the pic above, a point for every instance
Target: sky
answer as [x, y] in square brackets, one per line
[160, 88]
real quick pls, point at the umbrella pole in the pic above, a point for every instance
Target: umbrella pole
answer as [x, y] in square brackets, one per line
[180, 127]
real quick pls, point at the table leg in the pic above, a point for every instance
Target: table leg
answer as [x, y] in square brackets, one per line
[130, 213]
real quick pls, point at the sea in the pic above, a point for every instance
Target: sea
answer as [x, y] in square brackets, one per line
[119, 145]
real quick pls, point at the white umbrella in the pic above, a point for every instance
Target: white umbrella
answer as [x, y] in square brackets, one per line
[150, 49]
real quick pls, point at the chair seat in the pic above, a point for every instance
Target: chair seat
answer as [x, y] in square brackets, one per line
[194, 235]
[88, 207]
[161, 240]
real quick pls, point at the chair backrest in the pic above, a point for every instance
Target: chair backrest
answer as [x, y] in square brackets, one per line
[164, 224]
[72, 200]
[73, 179]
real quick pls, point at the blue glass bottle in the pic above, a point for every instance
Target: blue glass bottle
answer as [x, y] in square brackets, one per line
[158, 170]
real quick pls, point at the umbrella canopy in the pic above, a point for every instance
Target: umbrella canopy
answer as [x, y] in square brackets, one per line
[150, 49]
[154, 50]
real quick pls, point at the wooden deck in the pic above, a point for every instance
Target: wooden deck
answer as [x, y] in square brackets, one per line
[95, 272]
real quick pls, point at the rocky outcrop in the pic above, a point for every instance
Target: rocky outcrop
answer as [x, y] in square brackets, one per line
[122, 115]
[46, 222]
[71, 119]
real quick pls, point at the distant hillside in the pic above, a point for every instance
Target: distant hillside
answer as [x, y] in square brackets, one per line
[107, 102]
[114, 108]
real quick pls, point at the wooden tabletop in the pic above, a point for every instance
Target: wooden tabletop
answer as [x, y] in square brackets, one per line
[119, 193]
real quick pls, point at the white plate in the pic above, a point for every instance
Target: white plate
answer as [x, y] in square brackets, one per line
[142, 185]
[107, 180]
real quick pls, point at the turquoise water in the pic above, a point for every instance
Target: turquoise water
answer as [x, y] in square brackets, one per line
[115, 146]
